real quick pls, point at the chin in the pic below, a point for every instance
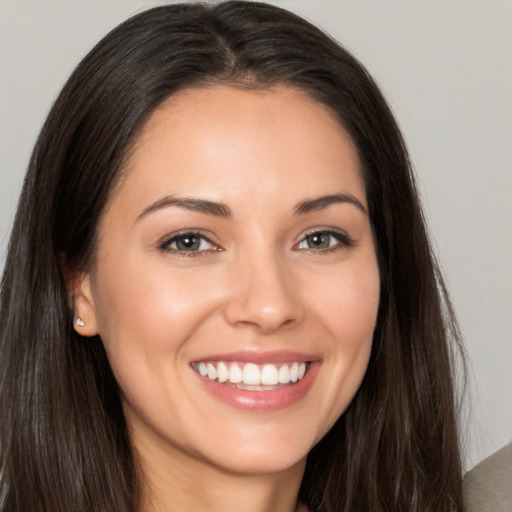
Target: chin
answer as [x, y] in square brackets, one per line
[261, 462]
[271, 449]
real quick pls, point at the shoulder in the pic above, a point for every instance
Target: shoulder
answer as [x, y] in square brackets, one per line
[487, 487]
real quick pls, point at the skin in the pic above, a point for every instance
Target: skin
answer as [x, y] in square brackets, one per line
[255, 286]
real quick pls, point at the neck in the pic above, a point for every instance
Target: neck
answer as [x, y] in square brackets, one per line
[174, 481]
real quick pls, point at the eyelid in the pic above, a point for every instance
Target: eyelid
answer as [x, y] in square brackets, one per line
[164, 244]
[344, 239]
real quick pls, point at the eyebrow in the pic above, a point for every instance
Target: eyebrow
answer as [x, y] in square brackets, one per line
[319, 203]
[195, 205]
[221, 210]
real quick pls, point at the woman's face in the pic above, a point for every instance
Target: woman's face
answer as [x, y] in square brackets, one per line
[235, 285]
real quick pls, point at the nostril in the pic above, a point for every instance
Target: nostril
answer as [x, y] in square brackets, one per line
[263, 318]
[263, 295]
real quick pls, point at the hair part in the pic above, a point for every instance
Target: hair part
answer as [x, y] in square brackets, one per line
[65, 443]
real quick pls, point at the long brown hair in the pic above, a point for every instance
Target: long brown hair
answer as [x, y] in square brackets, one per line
[63, 436]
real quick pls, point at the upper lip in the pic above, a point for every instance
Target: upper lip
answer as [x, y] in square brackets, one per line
[258, 357]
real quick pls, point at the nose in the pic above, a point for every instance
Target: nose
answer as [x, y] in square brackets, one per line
[264, 296]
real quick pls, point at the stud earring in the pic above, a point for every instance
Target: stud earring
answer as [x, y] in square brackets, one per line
[79, 322]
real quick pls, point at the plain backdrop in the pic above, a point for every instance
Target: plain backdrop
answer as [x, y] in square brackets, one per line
[446, 68]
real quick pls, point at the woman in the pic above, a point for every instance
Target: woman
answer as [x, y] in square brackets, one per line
[219, 292]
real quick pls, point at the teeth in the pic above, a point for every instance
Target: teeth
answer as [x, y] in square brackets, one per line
[284, 374]
[202, 369]
[294, 372]
[212, 371]
[250, 374]
[222, 372]
[235, 374]
[270, 375]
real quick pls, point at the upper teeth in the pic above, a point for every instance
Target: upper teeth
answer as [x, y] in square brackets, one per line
[252, 374]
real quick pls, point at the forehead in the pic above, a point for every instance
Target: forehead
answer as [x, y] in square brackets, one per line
[221, 142]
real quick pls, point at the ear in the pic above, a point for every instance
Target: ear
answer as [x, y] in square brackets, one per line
[85, 318]
[81, 301]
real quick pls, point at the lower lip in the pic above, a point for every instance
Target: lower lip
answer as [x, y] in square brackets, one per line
[262, 400]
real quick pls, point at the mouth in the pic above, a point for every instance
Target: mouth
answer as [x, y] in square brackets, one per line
[258, 381]
[252, 377]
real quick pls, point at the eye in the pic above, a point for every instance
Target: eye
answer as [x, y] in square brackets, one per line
[192, 243]
[325, 240]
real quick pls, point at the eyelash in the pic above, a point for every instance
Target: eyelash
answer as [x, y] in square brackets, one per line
[166, 245]
[343, 241]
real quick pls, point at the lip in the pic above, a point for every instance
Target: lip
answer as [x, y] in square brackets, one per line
[276, 357]
[261, 400]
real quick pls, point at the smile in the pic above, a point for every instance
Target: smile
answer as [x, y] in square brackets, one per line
[250, 376]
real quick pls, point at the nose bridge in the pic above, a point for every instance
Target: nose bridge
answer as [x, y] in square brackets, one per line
[264, 292]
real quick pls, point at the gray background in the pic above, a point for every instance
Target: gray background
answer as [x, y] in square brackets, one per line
[446, 69]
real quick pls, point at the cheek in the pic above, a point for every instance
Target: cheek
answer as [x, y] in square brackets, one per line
[144, 322]
[347, 313]
[349, 302]
[153, 303]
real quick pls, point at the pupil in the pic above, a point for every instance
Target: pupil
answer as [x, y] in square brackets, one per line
[319, 240]
[188, 243]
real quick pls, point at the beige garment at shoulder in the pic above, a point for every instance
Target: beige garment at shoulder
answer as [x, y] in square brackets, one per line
[488, 486]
